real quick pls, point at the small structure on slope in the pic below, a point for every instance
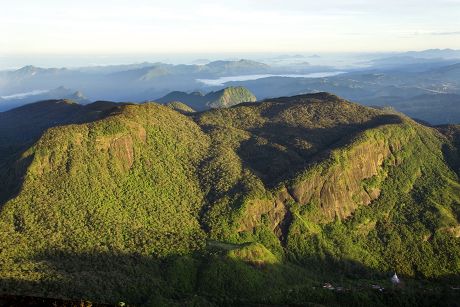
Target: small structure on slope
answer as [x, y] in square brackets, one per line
[395, 280]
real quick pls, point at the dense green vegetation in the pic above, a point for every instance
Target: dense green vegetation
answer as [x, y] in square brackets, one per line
[22, 127]
[452, 150]
[180, 107]
[260, 203]
[224, 98]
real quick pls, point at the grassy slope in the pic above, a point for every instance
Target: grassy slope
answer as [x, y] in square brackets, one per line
[102, 203]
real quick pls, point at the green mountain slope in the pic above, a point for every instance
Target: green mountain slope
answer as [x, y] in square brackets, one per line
[452, 150]
[224, 98]
[257, 203]
[180, 107]
[22, 127]
[123, 171]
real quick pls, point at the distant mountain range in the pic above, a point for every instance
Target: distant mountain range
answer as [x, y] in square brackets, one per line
[435, 109]
[435, 53]
[402, 76]
[420, 91]
[136, 82]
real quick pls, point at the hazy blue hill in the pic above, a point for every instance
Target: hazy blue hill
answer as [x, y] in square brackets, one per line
[237, 67]
[449, 68]
[61, 92]
[399, 75]
[259, 203]
[434, 108]
[108, 69]
[407, 91]
[141, 72]
[435, 53]
[449, 73]
[31, 71]
[212, 69]
[418, 60]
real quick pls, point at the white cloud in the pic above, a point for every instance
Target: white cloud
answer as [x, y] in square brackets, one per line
[118, 26]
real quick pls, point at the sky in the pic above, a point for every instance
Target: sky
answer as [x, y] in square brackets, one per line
[47, 27]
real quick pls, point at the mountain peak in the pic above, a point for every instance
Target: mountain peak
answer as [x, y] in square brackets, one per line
[322, 96]
[223, 98]
[27, 70]
[230, 96]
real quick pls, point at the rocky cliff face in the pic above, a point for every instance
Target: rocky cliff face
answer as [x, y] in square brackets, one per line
[338, 186]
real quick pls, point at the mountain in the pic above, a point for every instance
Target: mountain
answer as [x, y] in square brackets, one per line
[410, 64]
[201, 61]
[435, 109]
[453, 152]
[450, 73]
[237, 67]
[132, 82]
[405, 90]
[180, 107]
[21, 127]
[31, 71]
[212, 69]
[219, 99]
[228, 97]
[418, 60]
[108, 69]
[435, 53]
[289, 56]
[259, 203]
[398, 74]
[13, 101]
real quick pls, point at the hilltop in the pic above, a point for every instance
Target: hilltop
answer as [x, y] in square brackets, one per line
[22, 127]
[224, 98]
[180, 107]
[259, 203]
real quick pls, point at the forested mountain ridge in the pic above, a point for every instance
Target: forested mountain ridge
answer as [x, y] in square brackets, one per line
[22, 127]
[150, 205]
[224, 98]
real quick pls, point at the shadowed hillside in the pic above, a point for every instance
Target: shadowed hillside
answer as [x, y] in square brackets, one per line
[23, 126]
